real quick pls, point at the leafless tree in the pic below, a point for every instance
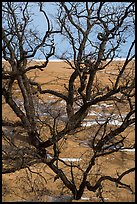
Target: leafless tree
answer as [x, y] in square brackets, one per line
[95, 32]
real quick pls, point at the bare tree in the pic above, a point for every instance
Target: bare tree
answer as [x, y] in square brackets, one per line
[95, 31]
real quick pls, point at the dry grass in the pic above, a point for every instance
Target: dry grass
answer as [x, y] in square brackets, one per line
[17, 186]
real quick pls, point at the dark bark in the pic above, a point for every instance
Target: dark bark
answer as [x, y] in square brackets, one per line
[71, 90]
